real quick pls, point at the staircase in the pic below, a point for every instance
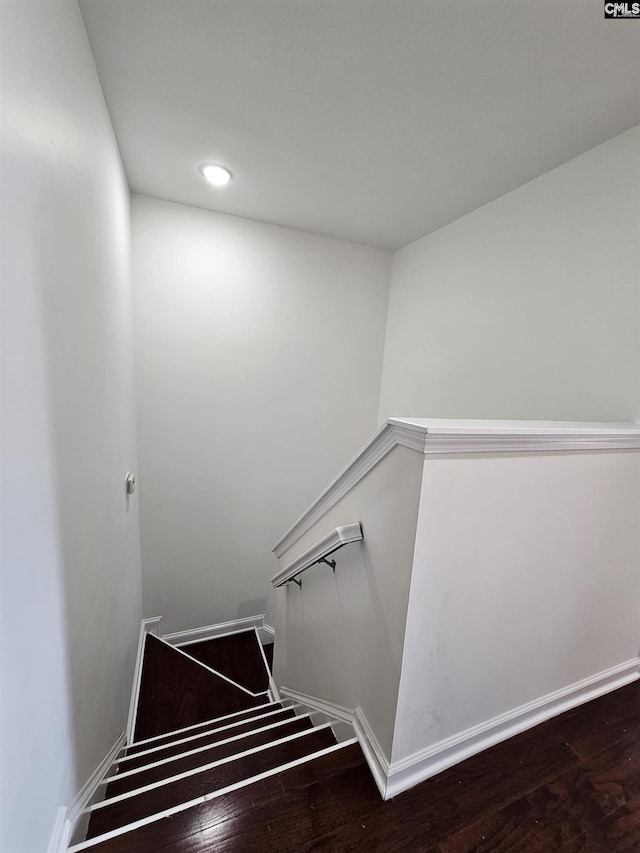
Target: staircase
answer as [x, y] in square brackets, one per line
[216, 759]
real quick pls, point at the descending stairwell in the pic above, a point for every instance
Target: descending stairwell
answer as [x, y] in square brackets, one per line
[212, 744]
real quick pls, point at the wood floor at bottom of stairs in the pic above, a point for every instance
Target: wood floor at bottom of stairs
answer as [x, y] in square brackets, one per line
[571, 784]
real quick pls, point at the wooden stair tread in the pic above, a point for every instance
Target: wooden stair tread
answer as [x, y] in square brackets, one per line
[199, 759]
[113, 815]
[238, 656]
[204, 739]
[205, 725]
[197, 824]
[175, 691]
[298, 819]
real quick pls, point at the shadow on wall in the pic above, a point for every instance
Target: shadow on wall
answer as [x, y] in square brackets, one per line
[71, 575]
[89, 386]
[37, 737]
[251, 607]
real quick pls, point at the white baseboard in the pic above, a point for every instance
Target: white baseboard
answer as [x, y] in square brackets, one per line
[148, 626]
[341, 713]
[373, 752]
[267, 634]
[392, 778]
[76, 819]
[69, 820]
[209, 632]
[340, 719]
[61, 834]
[421, 765]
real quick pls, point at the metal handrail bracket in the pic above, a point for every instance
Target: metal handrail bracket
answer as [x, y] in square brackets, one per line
[318, 553]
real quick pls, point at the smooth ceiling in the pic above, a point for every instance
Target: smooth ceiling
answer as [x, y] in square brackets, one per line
[373, 121]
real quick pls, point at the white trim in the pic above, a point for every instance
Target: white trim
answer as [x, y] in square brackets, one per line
[392, 778]
[345, 715]
[198, 726]
[243, 783]
[267, 634]
[210, 632]
[343, 535]
[373, 752]
[77, 810]
[271, 690]
[194, 771]
[371, 749]
[460, 443]
[147, 626]
[388, 436]
[126, 773]
[274, 695]
[214, 671]
[433, 436]
[425, 763]
[198, 640]
[153, 625]
[61, 833]
[196, 736]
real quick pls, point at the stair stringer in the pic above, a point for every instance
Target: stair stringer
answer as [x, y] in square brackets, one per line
[346, 721]
[147, 626]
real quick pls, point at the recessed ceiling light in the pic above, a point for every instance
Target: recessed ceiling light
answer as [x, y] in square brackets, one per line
[216, 175]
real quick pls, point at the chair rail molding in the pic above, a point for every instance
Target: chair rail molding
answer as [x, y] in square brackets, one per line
[437, 436]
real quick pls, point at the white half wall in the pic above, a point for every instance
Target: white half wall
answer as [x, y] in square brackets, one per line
[528, 307]
[496, 585]
[525, 582]
[70, 547]
[340, 638]
[254, 344]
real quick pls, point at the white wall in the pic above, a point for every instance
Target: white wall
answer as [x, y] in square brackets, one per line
[70, 548]
[525, 582]
[259, 354]
[496, 585]
[340, 638]
[528, 307]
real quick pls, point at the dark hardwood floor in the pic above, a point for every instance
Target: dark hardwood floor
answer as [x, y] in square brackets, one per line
[203, 727]
[150, 802]
[571, 784]
[176, 691]
[196, 828]
[176, 765]
[237, 656]
[204, 738]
